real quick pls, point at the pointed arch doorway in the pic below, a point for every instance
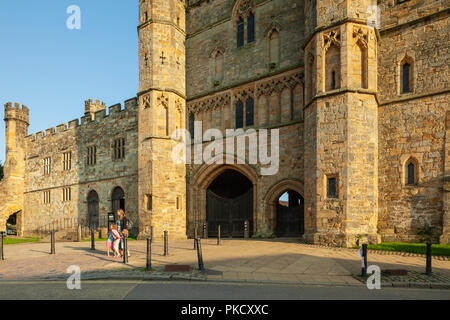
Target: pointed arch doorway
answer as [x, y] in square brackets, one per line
[229, 203]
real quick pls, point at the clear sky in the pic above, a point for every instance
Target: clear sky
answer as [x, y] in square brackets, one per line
[53, 70]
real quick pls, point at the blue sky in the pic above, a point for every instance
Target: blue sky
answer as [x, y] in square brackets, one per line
[53, 70]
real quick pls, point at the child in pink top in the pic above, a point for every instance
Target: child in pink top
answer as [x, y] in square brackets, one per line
[116, 242]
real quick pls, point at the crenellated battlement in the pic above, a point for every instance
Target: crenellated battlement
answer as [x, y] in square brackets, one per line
[86, 120]
[17, 112]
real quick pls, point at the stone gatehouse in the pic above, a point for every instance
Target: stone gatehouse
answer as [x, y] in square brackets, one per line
[360, 105]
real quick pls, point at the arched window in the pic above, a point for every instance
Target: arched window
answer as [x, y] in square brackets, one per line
[218, 67]
[249, 113]
[240, 32]
[239, 114]
[411, 172]
[405, 77]
[274, 48]
[332, 67]
[191, 124]
[251, 28]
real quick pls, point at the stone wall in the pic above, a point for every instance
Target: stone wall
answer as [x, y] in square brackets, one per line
[274, 109]
[415, 128]
[212, 25]
[102, 177]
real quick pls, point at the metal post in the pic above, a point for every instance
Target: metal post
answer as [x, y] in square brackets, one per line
[195, 237]
[428, 269]
[2, 256]
[149, 254]
[364, 254]
[218, 236]
[166, 243]
[92, 240]
[151, 234]
[52, 242]
[125, 249]
[246, 233]
[205, 230]
[201, 267]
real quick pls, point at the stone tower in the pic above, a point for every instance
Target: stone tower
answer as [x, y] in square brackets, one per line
[17, 122]
[341, 122]
[162, 101]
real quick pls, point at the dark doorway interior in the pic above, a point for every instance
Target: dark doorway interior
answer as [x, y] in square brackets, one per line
[290, 215]
[118, 200]
[11, 225]
[229, 204]
[93, 209]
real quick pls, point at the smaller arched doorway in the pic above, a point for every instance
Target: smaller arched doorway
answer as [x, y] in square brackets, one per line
[290, 215]
[93, 209]
[118, 199]
[11, 224]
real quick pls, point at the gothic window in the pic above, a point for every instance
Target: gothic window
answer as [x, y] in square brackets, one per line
[239, 114]
[406, 75]
[191, 124]
[46, 197]
[218, 67]
[47, 166]
[406, 69]
[119, 149]
[411, 168]
[249, 113]
[274, 48]
[67, 161]
[240, 32]
[251, 28]
[332, 67]
[91, 156]
[149, 202]
[331, 187]
[66, 194]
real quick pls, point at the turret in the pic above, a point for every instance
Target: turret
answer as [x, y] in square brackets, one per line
[91, 108]
[17, 122]
[341, 122]
[162, 85]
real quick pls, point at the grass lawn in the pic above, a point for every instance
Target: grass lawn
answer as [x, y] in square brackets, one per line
[21, 240]
[421, 248]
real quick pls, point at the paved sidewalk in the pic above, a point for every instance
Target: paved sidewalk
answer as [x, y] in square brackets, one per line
[267, 261]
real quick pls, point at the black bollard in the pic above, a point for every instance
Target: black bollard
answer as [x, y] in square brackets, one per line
[92, 240]
[52, 242]
[149, 254]
[125, 249]
[218, 236]
[205, 230]
[195, 237]
[428, 269]
[166, 243]
[364, 254]
[246, 230]
[2, 256]
[201, 267]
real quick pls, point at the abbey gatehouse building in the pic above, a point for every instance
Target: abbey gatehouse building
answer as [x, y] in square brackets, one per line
[358, 91]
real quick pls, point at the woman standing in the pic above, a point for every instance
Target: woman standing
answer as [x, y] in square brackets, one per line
[123, 222]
